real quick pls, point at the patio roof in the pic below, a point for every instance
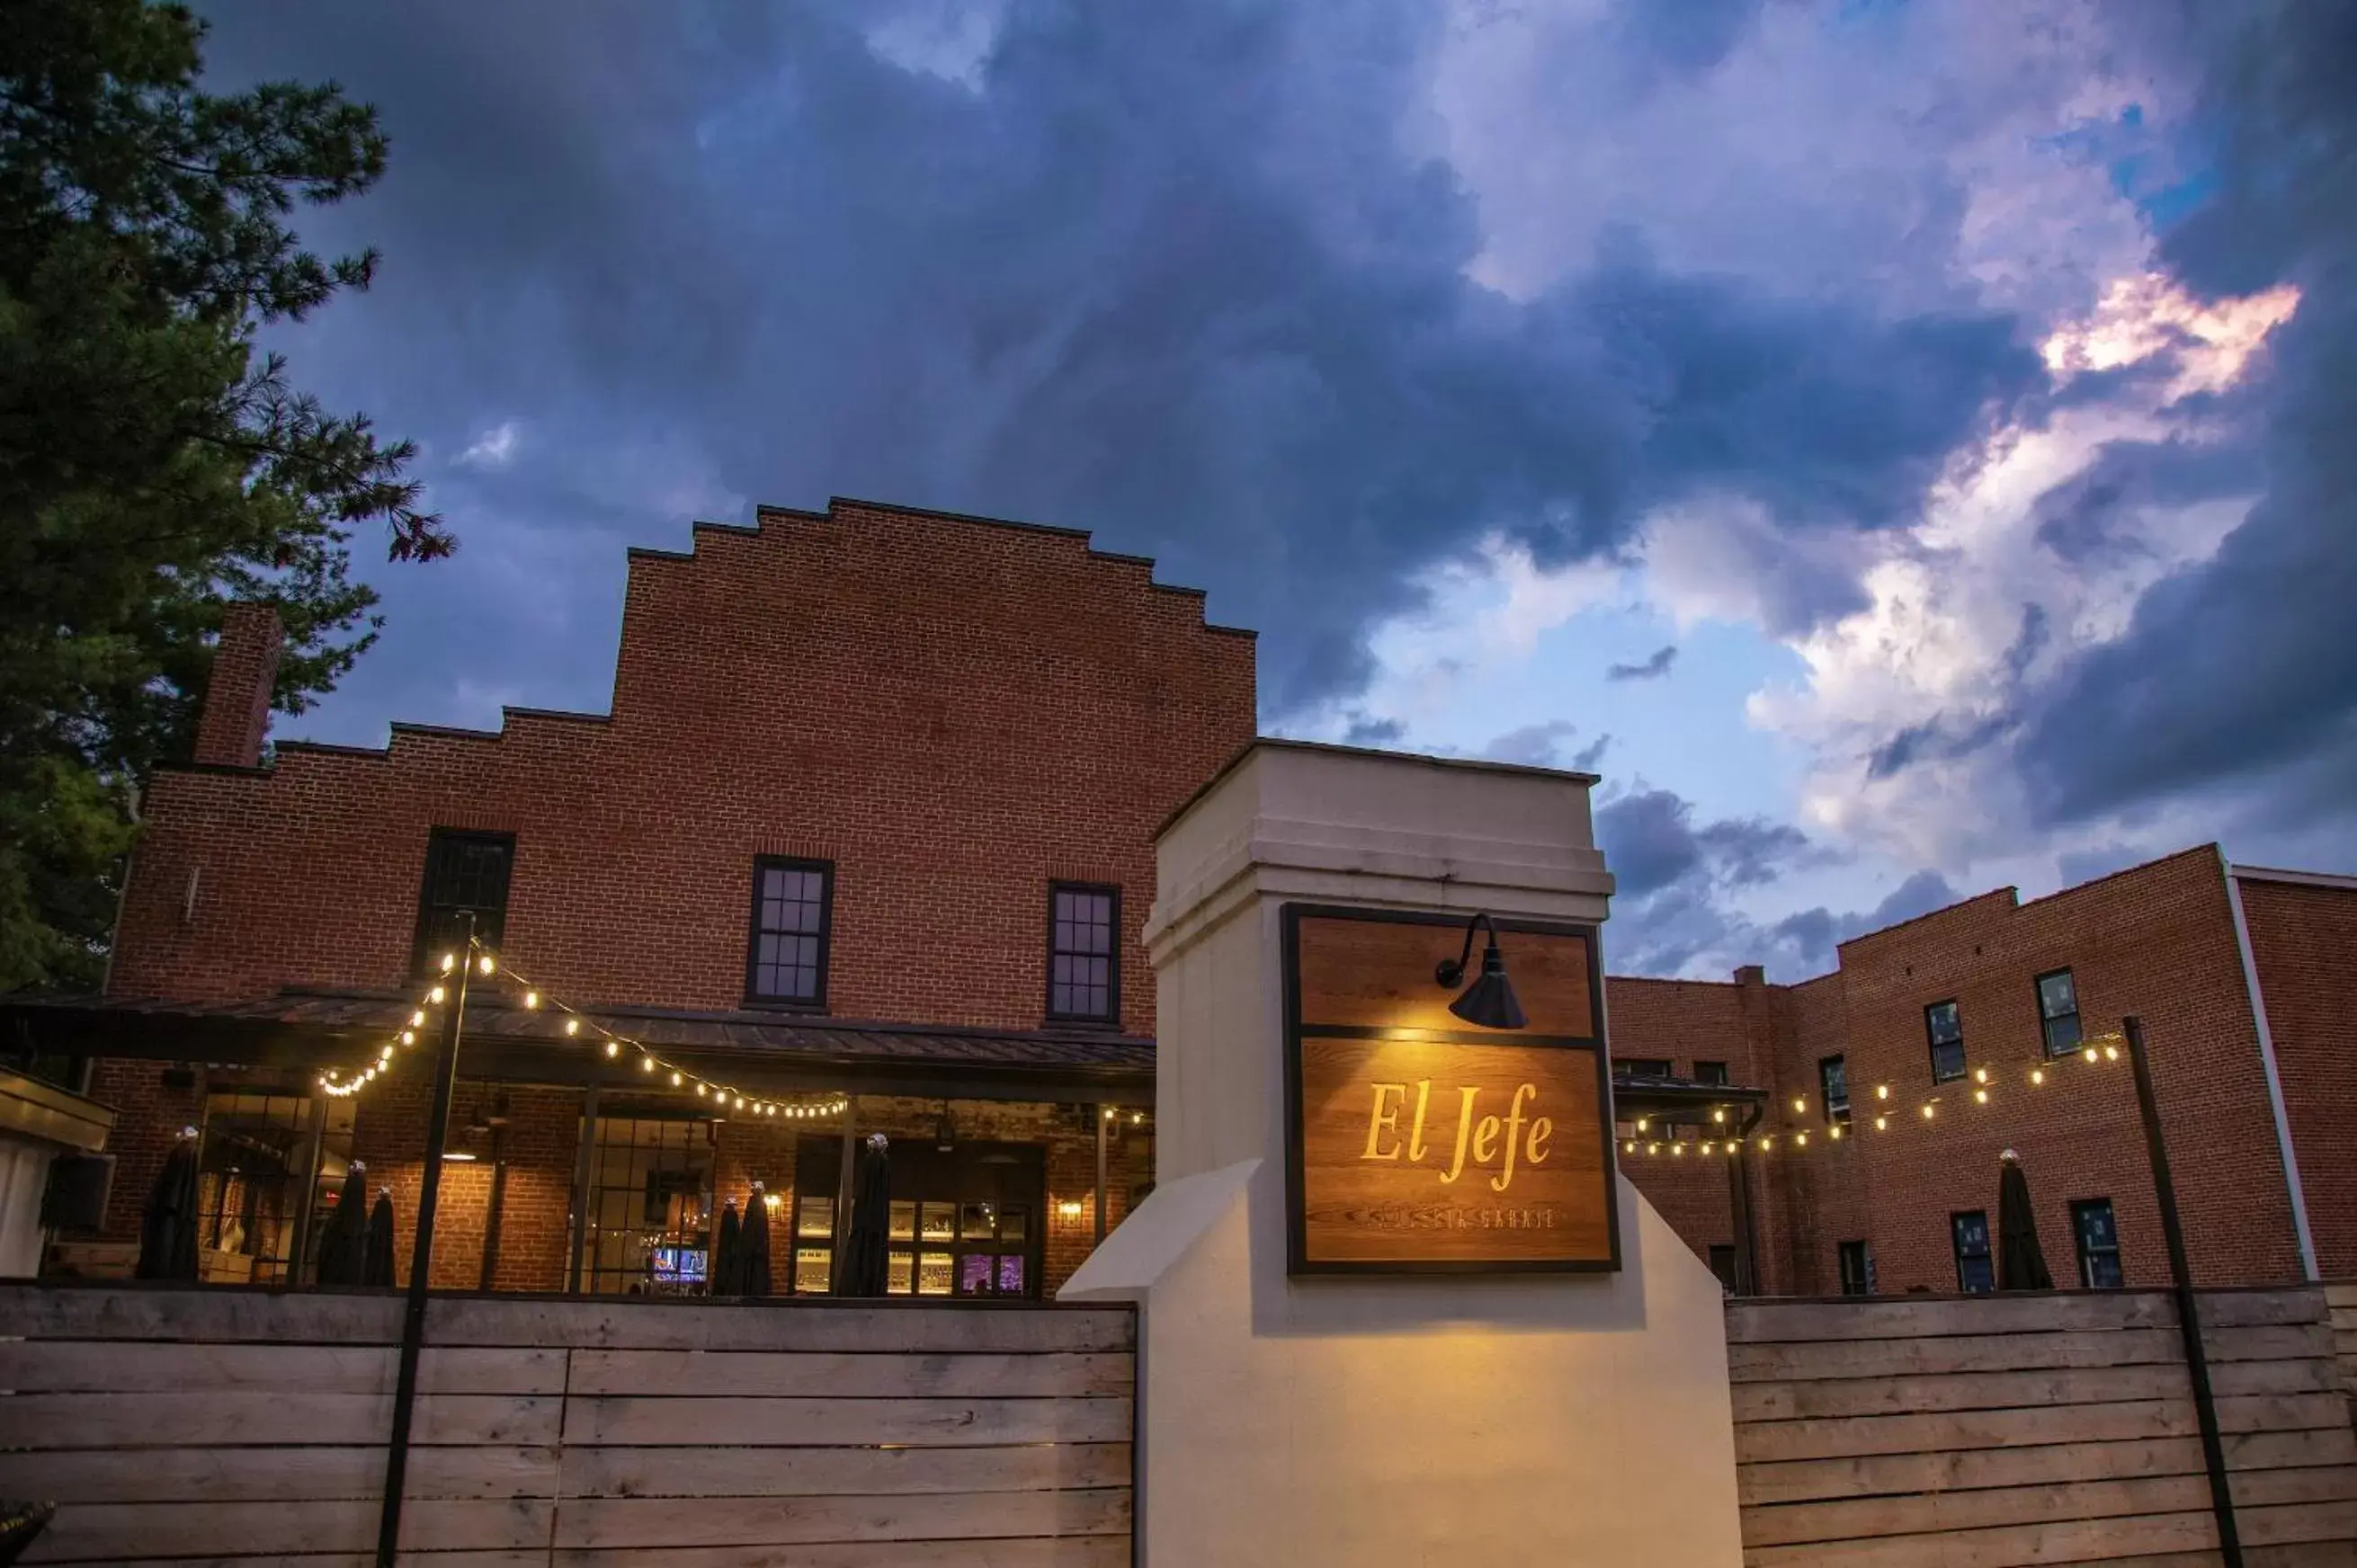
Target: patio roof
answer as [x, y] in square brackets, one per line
[313, 1028]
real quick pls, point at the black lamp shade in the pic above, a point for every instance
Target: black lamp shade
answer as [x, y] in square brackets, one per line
[1489, 1001]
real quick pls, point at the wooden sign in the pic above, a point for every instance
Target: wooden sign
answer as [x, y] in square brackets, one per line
[1419, 1143]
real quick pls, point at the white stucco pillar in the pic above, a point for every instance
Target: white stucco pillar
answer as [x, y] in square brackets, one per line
[1397, 1420]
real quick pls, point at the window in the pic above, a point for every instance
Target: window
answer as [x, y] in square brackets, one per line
[1856, 1269]
[652, 1217]
[1640, 1066]
[1976, 1275]
[793, 906]
[962, 1221]
[1722, 1263]
[1711, 1073]
[1945, 1028]
[464, 874]
[2099, 1244]
[1832, 1085]
[2058, 1012]
[1083, 953]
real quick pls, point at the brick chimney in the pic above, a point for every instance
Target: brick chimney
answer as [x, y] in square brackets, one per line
[237, 698]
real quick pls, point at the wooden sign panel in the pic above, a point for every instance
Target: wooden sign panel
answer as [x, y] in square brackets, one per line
[1420, 1142]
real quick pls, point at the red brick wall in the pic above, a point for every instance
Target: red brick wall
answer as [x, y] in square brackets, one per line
[952, 712]
[2157, 942]
[2303, 941]
[237, 696]
[535, 1215]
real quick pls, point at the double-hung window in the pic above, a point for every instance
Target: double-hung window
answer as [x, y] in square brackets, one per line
[2057, 1013]
[786, 954]
[1083, 953]
[1943, 1027]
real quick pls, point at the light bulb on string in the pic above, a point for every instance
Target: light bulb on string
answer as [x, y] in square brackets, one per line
[417, 1018]
[1927, 1113]
[1800, 1106]
[1802, 1139]
[702, 1089]
[2037, 1074]
[449, 962]
[646, 1064]
[1706, 1146]
[409, 1036]
[2111, 1053]
[1719, 1117]
[1882, 1091]
[484, 965]
[1653, 1148]
[613, 1048]
[2088, 1053]
[1980, 1096]
[435, 995]
[1834, 1132]
[1882, 1123]
[1640, 1123]
[1980, 1075]
[573, 1025]
[676, 1080]
[532, 999]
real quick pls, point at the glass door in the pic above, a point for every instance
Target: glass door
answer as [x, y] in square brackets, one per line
[964, 1222]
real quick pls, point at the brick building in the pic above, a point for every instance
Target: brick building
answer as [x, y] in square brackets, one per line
[871, 821]
[871, 817]
[2236, 974]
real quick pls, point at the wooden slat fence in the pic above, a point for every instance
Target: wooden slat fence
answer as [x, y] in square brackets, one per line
[2340, 1299]
[247, 1427]
[2006, 1431]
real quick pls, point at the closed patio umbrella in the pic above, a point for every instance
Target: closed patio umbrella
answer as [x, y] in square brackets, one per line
[343, 1249]
[871, 1214]
[167, 1225]
[728, 1253]
[2021, 1265]
[376, 1261]
[754, 1270]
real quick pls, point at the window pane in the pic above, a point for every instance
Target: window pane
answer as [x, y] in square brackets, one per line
[1081, 954]
[2062, 1035]
[2056, 995]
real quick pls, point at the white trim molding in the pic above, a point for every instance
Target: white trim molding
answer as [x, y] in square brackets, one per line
[2235, 876]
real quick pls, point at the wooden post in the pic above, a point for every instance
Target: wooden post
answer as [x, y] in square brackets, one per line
[300, 1252]
[499, 1195]
[2188, 1306]
[584, 1167]
[845, 1172]
[421, 1255]
[1100, 1175]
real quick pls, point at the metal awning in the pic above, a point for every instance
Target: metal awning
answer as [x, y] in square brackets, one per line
[779, 1053]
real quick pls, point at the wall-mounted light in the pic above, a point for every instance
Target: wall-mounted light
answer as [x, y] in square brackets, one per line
[1069, 1208]
[1489, 1002]
[459, 1156]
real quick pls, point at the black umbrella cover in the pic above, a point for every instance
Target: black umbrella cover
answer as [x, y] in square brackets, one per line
[754, 1276]
[167, 1225]
[2021, 1265]
[343, 1250]
[871, 1215]
[728, 1253]
[376, 1257]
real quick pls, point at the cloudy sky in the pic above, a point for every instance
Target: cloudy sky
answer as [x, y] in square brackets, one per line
[1903, 445]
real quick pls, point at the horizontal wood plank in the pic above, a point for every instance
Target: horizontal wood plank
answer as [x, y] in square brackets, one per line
[1035, 1551]
[1954, 1353]
[1957, 1391]
[130, 1532]
[2272, 1342]
[273, 1475]
[822, 1472]
[2006, 1546]
[916, 1329]
[1750, 1323]
[2245, 1308]
[1946, 1430]
[611, 1523]
[837, 1423]
[1875, 1475]
[836, 1375]
[1931, 1513]
[98, 1366]
[45, 1310]
[197, 1420]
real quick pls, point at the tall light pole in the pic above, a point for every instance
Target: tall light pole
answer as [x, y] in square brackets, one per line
[421, 1255]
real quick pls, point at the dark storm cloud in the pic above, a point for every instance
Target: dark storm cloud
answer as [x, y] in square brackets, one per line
[1535, 746]
[2246, 667]
[1586, 759]
[1161, 274]
[1362, 730]
[1804, 943]
[1652, 668]
[1652, 843]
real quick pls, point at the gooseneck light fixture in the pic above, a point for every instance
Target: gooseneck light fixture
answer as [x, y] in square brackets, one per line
[1489, 1002]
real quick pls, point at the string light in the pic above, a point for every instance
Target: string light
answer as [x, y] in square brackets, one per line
[417, 1018]
[532, 998]
[1800, 1106]
[435, 995]
[2037, 1074]
[1927, 1113]
[409, 1036]
[613, 1048]
[1882, 1123]
[1882, 1091]
[573, 1025]
[449, 962]
[484, 965]
[1980, 1096]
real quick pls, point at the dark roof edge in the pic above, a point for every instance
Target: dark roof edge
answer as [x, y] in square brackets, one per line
[1279, 743]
